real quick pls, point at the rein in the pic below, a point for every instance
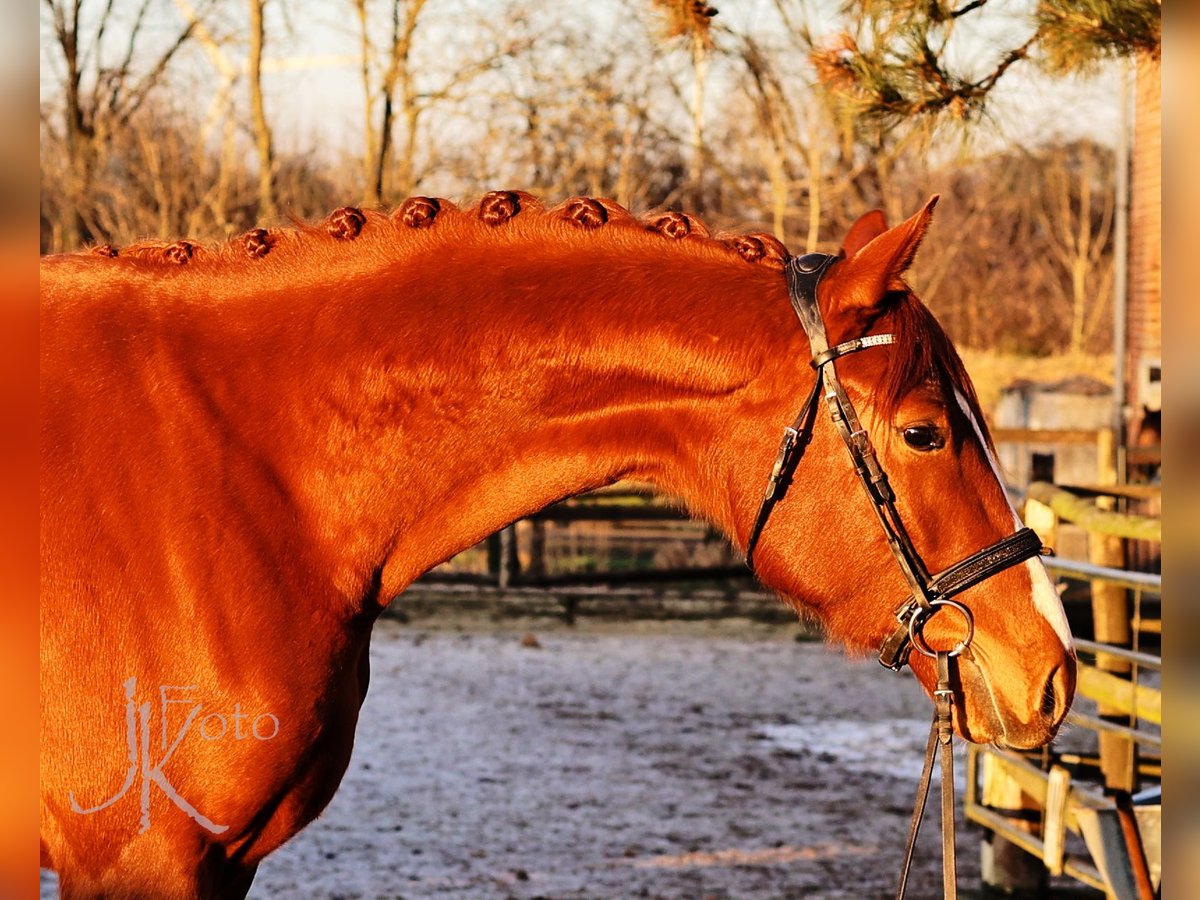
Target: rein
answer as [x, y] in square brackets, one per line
[929, 593]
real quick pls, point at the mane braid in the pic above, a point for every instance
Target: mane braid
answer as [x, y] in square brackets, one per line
[494, 212]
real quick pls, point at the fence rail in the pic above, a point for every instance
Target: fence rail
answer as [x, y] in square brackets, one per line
[1072, 813]
[1150, 582]
[1084, 511]
[1067, 812]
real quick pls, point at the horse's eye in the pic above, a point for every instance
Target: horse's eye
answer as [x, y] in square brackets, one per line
[923, 437]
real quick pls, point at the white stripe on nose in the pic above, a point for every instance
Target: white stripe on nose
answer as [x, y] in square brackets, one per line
[1048, 603]
[1045, 598]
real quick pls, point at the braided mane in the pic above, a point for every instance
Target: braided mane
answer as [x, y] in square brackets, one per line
[499, 214]
[496, 213]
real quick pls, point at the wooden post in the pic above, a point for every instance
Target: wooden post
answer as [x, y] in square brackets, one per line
[1054, 823]
[1106, 456]
[1004, 865]
[1110, 613]
[510, 566]
[537, 549]
[493, 556]
[1042, 519]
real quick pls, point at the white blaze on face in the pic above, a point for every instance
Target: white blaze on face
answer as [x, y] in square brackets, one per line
[1045, 598]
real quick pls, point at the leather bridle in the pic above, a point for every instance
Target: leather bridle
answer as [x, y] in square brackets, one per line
[929, 593]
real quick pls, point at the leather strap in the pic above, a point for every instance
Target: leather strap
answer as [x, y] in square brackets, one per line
[944, 703]
[862, 343]
[1016, 548]
[941, 745]
[795, 440]
[804, 274]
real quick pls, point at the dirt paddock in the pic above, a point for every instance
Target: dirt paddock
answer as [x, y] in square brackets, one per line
[707, 760]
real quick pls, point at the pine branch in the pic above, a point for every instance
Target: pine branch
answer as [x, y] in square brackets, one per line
[893, 66]
[686, 18]
[1076, 35]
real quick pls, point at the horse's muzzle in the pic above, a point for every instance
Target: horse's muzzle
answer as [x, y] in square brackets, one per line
[987, 713]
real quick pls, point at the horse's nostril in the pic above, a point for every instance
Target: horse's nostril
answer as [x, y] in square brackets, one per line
[1051, 694]
[1049, 699]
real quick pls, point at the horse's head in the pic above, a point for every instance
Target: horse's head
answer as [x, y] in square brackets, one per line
[1015, 680]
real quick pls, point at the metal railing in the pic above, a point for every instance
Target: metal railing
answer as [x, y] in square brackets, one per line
[1075, 570]
[1055, 793]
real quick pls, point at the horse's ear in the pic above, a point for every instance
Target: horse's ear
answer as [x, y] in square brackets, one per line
[868, 227]
[865, 277]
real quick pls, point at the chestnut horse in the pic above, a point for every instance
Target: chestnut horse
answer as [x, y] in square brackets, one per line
[250, 450]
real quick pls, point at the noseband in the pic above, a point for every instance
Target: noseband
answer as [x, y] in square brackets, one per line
[929, 593]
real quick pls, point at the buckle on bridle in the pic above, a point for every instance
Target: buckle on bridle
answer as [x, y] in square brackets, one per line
[895, 650]
[790, 436]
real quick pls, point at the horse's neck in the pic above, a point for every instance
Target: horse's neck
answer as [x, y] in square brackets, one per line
[421, 407]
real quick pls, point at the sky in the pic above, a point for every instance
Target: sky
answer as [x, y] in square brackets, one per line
[1028, 105]
[314, 94]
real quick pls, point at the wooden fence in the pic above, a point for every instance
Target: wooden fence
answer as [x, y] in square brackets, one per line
[620, 535]
[1094, 812]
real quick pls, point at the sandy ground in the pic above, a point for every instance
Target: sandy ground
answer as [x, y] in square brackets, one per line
[713, 759]
[636, 763]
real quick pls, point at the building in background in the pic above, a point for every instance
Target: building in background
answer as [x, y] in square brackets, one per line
[1143, 310]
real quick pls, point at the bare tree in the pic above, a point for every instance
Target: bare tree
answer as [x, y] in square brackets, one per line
[777, 121]
[216, 201]
[371, 189]
[258, 117]
[587, 127]
[410, 87]
[691, 20]
[108, 69]
[1076, 215]
[399, 78]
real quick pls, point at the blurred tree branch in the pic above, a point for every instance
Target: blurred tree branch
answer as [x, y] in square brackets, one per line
[893, 62]
[100, 96]
[691, 21]
[258, 117]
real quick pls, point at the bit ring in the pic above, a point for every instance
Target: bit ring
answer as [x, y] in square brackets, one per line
[916, 623]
